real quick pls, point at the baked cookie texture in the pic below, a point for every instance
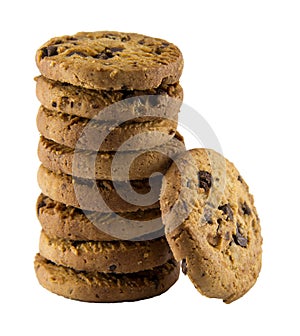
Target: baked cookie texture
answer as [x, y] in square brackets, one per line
[100, 195]
[128, 165]
[60, 220]
[108, 124]
[103, 287]
[107, 257]
[82, 133]
[212, 224]
[110, 61]
[163, 102]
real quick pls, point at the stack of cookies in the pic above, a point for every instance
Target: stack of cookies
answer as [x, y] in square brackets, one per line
[108, 119]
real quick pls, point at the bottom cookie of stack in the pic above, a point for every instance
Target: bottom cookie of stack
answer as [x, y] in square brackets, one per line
[105, 287]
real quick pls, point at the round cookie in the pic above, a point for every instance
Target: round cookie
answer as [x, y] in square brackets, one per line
[98, 195]
[106, 257]
[164, 101]
[102, 287]
[107, 60]
[59, 220]
[82, 133]
[141, 165]
[212, 224]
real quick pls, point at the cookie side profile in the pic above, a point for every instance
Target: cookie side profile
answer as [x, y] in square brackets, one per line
[82, 133]
[217, 231]
[106, 257]
[101, 287]
[60, 220]
[84, 193]
[133, 165]
[108, 60]
[163, 102]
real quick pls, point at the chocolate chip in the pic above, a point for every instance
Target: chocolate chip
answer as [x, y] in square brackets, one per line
[54, 104]
[226, 209]
[246, 209]
[239, 239]
[49, 51]
[184, 266]
[142, 42]
[112, 268]
[125, 38]
[52, 50]
[113, 50]
[79, 53]
[240, 179]
[205, 180]
[104, 55]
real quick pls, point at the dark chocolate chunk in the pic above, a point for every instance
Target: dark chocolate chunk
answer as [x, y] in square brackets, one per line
[239, 239]
[112, 268]
[52, 50]
[246, 209]
[226, 209]
[104, 55]
[184, 266]
[113, 50]
[54, 104]
[240, 179]
[205, 180]
[49, 51]
[141, 42]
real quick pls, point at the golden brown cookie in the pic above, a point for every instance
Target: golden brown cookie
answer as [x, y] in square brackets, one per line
[107, 257]
[212, 224]
[141, 164]
[164, 101]
[102, 287]
[67, 222]
[110, 61]
[100, 195]
[68, 130]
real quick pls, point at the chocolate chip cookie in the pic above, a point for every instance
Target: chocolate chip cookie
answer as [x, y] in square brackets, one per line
[107, 257]
[163, 102]
[131, 165]
[212, 224]
[64, 221]
[111, 61]
[82, 133]
[102, 287]
[84, 193]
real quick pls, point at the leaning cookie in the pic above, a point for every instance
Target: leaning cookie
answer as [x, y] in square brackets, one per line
[132, 165]
[82, 133]
[161, 102]
[110, 61]
[212, 224]
[102, 287]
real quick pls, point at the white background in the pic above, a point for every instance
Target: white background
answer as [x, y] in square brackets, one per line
[242, 73]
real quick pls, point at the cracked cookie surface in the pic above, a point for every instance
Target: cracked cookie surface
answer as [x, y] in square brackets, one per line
[107, 60]
[164, 101]
[212, 224]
